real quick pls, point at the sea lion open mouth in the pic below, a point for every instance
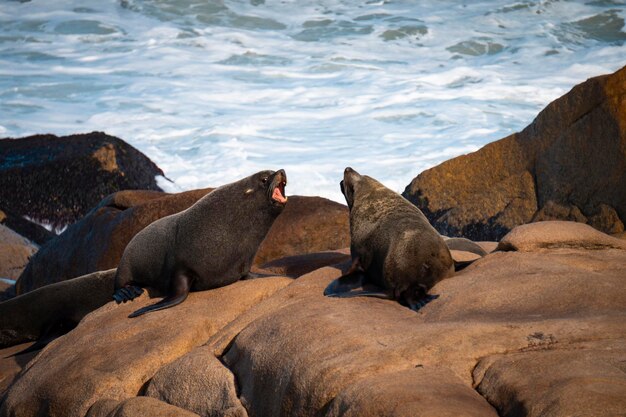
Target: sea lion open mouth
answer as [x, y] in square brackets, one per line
[278, 187]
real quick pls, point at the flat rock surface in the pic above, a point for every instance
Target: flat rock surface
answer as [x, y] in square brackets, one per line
[557, 234]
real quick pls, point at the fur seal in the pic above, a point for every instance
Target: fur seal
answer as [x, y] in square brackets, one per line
[393, 246]
[209, 245]
[48, 312]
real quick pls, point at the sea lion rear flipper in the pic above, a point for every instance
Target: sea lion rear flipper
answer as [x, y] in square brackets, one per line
[180, 287]
[385, 295]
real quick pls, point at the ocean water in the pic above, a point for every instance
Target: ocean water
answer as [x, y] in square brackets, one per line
[216, 90]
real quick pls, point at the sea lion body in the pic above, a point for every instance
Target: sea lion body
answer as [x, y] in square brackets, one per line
[393, 246]
[209, 245]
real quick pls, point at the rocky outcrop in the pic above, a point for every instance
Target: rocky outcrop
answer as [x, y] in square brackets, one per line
[97, 242]
[277, 346]
[109, 356]
[57, 180]
[137, 406]
[569, 164]
[15, 251]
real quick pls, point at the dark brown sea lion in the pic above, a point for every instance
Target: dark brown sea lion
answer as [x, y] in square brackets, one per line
[209, 245]
[393, 246]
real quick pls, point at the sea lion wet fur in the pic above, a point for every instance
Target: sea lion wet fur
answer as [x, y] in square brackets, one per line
[393, 246]
[209, 245]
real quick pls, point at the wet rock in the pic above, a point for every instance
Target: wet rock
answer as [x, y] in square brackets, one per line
[57, 180]
[568, 164]
[109, 356]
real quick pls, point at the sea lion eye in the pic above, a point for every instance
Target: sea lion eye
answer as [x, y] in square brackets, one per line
[264, 179]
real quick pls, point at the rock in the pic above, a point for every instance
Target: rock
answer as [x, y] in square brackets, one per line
[423, 391]
[568, 164]
[199, 382]
[109, 356]
[556, 383]
[7, 289]
[557, 234]
[57, 180]
[15, 251]
[298, 265]
[97, 242]
[31, 231]
[308, 224]
[138, 406]
[300, 354]
[11, 366]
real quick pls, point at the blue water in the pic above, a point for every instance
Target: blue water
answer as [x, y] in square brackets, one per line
[215, 90]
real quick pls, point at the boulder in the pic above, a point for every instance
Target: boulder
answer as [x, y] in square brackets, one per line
[97, 242]
[308, 224]
[299, 353]
[199, 382]
[568, 164]
[556, 383]
[557, 234]
[57, 180]
[15, 251]
[30, 230]
[11, 364]
[137, 406]
[109, 356]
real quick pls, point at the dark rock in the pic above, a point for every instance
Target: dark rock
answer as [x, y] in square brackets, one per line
[569, 164]
[57, 180]
[15, 251]
[32, 231]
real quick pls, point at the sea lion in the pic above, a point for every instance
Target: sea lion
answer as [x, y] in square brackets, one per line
[48, 312]
[393, 246]
[208, 245]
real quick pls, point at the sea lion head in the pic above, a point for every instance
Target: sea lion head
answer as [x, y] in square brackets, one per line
[272, 185]
[351, 178]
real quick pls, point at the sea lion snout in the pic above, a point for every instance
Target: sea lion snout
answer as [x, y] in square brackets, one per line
[278, 182]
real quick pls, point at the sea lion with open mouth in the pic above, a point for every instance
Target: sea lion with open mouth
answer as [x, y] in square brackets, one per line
[209, 245]
[393, 246]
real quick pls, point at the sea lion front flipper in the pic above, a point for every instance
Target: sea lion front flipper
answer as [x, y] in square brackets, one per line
[127, 293]
[179, 290]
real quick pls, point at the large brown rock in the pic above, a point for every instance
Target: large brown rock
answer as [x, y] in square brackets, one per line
[557, 234]
[109, 356]
[97, 242]
[199, 382]
[300, 354]
[57, 180]
[15, 251]
[569, 164]
[551, 383]
[136, 407]
[307, 224]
